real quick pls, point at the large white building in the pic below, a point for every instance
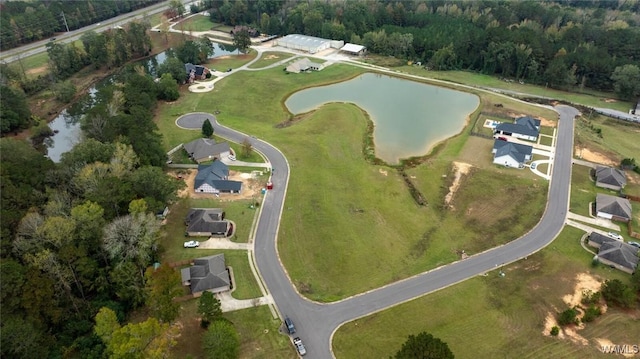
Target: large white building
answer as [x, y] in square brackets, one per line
[308, 44]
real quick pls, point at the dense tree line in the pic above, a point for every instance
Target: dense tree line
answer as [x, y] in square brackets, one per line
[560, 44]
[79, 235]
[22, 22]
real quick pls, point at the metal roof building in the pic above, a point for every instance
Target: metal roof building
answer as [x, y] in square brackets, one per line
[309, 44]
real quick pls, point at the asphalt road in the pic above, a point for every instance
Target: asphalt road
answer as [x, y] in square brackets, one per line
[34, 48]
[316, 323]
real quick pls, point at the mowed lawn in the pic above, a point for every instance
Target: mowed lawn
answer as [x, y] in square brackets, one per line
[498, 317]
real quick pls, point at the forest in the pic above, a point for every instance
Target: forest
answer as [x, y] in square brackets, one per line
[79, 235]
[560, 44]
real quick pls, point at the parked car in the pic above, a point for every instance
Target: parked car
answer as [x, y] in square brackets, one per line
[229, 69]
[502, 138]
[615, 236]
[191, 244]
[289, 324]
[635, 244]
[299, 346]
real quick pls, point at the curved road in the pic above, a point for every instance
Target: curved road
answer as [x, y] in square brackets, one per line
[316, 323]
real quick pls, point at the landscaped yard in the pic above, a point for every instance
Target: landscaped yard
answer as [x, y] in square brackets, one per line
[494, 317]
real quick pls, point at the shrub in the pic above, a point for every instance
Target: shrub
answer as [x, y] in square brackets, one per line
[591, 314]
[589, 297]
[555, 331]
[567, 317]
[618, 293]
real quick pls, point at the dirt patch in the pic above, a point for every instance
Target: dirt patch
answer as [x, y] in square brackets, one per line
[460, 169]
[584, 282]
[549, 323]
[385, 173]
[610, 100]
[251, 187]
[593, 156]
[38, 70]
[270, 57]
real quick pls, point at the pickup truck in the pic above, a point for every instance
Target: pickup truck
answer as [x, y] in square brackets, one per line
[299, 346]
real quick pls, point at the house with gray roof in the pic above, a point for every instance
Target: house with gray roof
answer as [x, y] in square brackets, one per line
[207, 222]
[511, 154]
[195, 72]
[302, 65]
[615, 253]
[213, 178]
[612, 207]
[526, 128]
[611, 178]
[207, 274]
[206, 149]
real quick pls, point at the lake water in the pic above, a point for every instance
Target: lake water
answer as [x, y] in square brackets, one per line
[67, 123]
[409, 117]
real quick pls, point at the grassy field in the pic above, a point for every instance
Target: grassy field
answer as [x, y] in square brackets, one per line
[231, 61]
[613, 138]
[330, 211]
[589, 98]
[197, 23]
[497, 317]
[269, 58]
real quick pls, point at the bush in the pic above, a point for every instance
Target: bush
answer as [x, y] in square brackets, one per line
[64, 91]
[618, 293]
[591, 314]
[567, 317]
[555, 331]
[590, 298]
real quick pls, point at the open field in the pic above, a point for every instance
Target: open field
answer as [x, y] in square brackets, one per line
[494, 317]
[589, 98]
[196, 23]
[223, 63]
[614, 139]
[269, 58]
[259, 336]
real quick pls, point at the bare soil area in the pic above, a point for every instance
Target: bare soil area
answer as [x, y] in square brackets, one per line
[460, 169]
[251, 187]
[272, 56]
[593, 156]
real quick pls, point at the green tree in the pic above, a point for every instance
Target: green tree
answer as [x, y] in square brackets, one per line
[626, 81]
[618, 293]
[567, 317]
[207, 129]
[209, 308]
[221, 341]
[242, 40]
[15, 114]
[168, 88]
[247, 148]
[173, 66]
[146, 340]
[163, 286]
[64, 91]
[424, 346]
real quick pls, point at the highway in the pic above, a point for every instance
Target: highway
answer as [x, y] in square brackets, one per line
[316, 322]
[34, 48]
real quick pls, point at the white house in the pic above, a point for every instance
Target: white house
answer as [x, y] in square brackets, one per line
[511, 154]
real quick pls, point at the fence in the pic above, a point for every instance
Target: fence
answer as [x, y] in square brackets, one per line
[173, 150]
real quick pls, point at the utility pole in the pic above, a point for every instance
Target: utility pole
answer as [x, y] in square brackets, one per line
[65, 21]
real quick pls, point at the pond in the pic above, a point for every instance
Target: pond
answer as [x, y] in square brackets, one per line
[67, 123]
[409, 117]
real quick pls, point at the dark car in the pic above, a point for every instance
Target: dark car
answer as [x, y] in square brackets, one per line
[502, 138]
[229, 69]
[289, 324]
